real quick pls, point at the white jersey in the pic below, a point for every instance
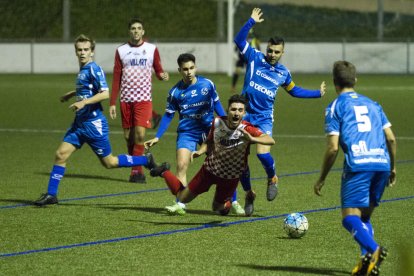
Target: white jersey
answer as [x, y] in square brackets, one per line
[227, 151]
[133, 72]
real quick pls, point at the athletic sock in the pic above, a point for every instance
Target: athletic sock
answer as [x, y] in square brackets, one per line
[268, 164]
[55, 177]
[129, 161]
[355, 226]
[245, 180]
[137, 151]
[173, 182]
[234, 198]
[368, 227]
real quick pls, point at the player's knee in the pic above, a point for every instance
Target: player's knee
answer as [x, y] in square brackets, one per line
[60, 156]
[182, 166]
[110, 162]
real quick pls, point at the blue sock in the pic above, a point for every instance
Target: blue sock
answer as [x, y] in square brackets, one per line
[125, 160]
[234, 198]
[245, 180]
[55, 176]
[355, 226]
[268, 164]
[368, 226]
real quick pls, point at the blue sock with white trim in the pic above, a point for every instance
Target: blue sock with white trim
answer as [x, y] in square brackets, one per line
[55, 177]
[125, 160]
[355, 226]
[370, 229]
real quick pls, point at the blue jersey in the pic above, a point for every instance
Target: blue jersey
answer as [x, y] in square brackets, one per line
[90, 81]
[262, 79]
[194, 103]
[359, 122]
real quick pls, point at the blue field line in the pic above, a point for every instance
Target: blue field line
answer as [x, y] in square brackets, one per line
[148, 191]
[170, 232]
[164, 189]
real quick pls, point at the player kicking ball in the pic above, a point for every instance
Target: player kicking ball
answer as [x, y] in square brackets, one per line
[227, 149]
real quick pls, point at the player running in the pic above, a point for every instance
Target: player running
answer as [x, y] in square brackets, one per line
[264, 75]
[90, 125]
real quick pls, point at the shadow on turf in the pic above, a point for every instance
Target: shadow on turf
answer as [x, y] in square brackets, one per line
[298, 269]
[21, 201]
[205, 224]
[88, 176]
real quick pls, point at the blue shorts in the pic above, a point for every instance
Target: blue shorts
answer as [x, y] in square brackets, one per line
[264, 122]
[359, 189]
[95, 133]
[189, 140]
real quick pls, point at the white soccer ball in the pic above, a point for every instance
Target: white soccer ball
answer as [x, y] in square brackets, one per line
[296, 225]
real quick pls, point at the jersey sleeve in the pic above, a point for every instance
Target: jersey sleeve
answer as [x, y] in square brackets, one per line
[99, 79]
[116, 79]
[172, 105]
[241, 39]
[157, 64]
[298, 92]
[253, 131]
[332, 126]
[384, 120]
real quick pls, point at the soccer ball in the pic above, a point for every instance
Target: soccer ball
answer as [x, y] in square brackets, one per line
[296, 225]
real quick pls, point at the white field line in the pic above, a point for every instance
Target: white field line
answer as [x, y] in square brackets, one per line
[51, 131]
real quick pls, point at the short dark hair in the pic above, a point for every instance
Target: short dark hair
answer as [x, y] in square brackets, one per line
[134, 20]
[276, 40]
[84, 38]
[237, 98]
[186, 57]
[344, 74]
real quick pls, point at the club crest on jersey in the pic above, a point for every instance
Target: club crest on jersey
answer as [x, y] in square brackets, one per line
[204, 91]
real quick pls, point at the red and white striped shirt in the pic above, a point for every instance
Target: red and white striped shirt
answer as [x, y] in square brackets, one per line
[133, 72]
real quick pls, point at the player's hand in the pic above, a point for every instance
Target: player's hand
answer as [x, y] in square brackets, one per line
[318, 187]
[67, 96]
[323, 88]
[78, 105]
[112, 111]
[256, 15]
[150, 143]
[165, 76]
[246, 136]
[195, 154]
[393, 178]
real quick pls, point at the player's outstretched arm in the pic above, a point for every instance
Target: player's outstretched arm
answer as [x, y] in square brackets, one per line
[151, 142]
[263, 139]
[257, 15]
[103, 95]
[202, 150]
[67, 96]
